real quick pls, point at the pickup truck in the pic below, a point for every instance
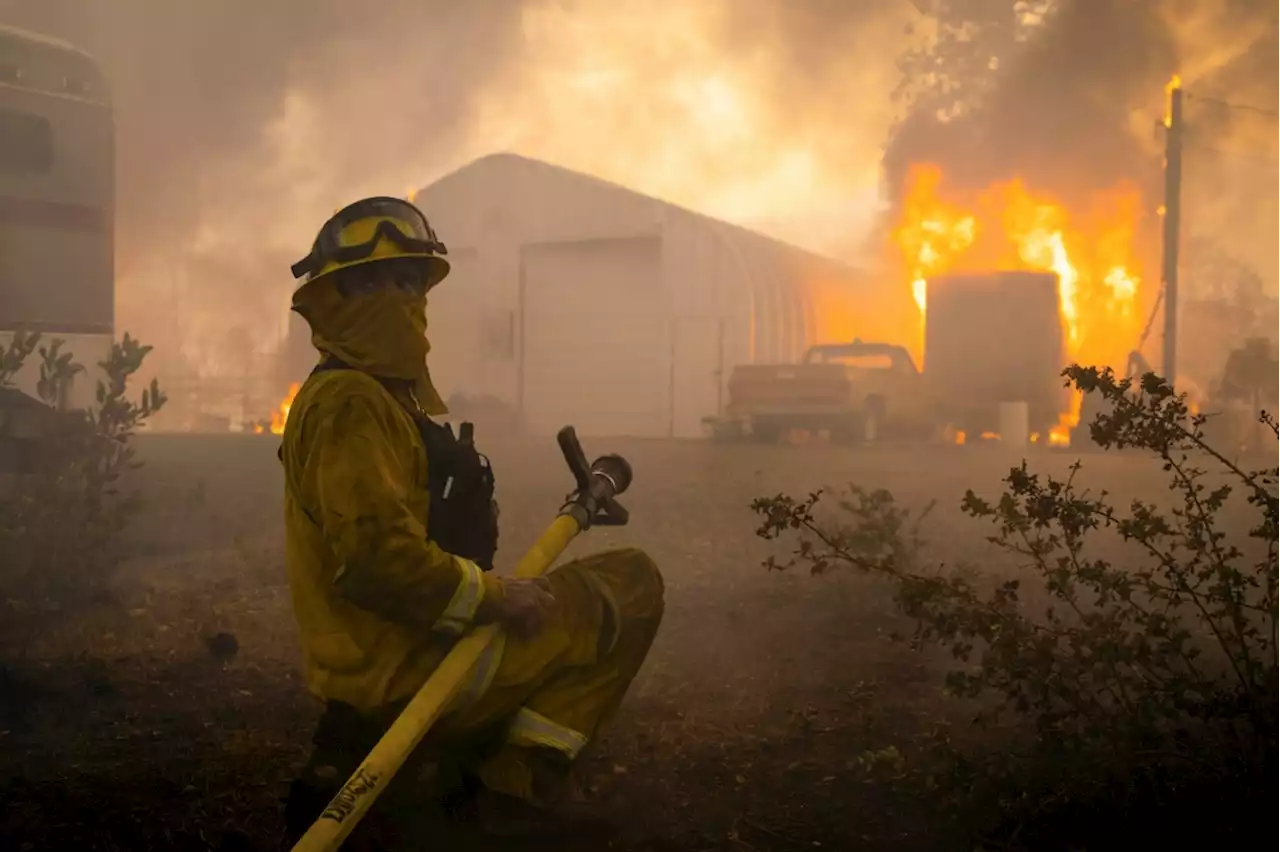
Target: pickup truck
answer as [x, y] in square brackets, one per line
[854, 391]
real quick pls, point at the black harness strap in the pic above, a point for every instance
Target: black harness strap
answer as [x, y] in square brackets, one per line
[463, 514]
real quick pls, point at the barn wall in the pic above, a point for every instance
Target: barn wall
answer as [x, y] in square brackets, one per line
[596, 338]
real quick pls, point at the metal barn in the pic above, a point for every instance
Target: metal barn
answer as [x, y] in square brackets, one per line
[577, 301]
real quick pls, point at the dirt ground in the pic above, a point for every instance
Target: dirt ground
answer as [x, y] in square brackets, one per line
[120, 731]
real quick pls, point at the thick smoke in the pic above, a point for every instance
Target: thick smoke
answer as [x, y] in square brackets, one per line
[1075, 109]
[1060, 106]
[201, 87]
[1230, 198]
[241, 124]
[770, 114]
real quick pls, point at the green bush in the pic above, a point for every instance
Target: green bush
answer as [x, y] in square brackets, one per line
[61, 505]
[1137, 689]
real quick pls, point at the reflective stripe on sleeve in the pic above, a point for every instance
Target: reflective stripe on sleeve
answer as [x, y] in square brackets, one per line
[533, 729]
[461, 610]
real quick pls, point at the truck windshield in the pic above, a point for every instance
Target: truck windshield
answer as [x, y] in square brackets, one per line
[860, 362]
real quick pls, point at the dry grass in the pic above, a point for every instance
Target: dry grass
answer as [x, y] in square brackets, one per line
[118, 730]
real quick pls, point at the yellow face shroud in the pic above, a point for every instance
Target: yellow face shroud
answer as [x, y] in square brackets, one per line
[384, 332]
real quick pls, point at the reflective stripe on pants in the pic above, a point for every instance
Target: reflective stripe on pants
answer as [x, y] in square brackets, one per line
[531, 728]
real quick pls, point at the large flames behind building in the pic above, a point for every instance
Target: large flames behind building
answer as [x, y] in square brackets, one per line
[944, 228]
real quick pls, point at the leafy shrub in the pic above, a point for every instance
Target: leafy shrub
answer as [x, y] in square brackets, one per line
[1140, 686]
[61, 506]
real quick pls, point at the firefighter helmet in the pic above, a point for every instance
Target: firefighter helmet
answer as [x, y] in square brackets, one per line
[373, 229]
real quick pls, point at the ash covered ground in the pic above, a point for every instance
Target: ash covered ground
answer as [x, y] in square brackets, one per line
[120, 730]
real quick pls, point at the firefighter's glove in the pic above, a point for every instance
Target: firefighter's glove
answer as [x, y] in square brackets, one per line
[523, 609]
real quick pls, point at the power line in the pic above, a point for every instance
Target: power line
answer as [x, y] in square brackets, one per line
[1225, 152]
[1239, 155]
[1230, 105]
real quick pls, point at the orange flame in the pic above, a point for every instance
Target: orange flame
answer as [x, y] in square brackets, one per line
[1175, 82]
[1008, 226]
[931, 231]
[280, 416]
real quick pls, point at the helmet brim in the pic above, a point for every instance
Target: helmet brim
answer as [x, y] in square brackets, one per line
[437, 267]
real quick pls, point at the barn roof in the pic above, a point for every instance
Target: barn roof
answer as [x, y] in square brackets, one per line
[513, 162]
[42, 40]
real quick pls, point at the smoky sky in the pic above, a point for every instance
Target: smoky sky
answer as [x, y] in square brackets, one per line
[1076, 106]
[233, 116]
[196, 83]
[236, 114]
[1060, 106]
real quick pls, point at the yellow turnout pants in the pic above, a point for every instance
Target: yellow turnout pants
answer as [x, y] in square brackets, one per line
[553, 695]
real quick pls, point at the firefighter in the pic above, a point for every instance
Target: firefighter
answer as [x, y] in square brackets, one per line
[390, 532]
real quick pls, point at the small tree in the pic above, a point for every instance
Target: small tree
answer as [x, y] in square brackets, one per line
[952, 70]
[1142, 682]
[63, 511]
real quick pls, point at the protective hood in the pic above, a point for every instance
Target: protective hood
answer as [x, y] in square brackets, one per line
[383, 334]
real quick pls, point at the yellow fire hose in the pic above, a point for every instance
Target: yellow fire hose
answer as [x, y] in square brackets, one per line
[591, 503]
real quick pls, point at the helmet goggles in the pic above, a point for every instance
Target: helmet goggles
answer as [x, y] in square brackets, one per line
[370, 229]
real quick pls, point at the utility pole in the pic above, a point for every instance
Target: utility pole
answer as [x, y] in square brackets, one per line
[1172, 217]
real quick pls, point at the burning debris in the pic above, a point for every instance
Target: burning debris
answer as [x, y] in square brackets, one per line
[1008, 225]
[281, 415]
